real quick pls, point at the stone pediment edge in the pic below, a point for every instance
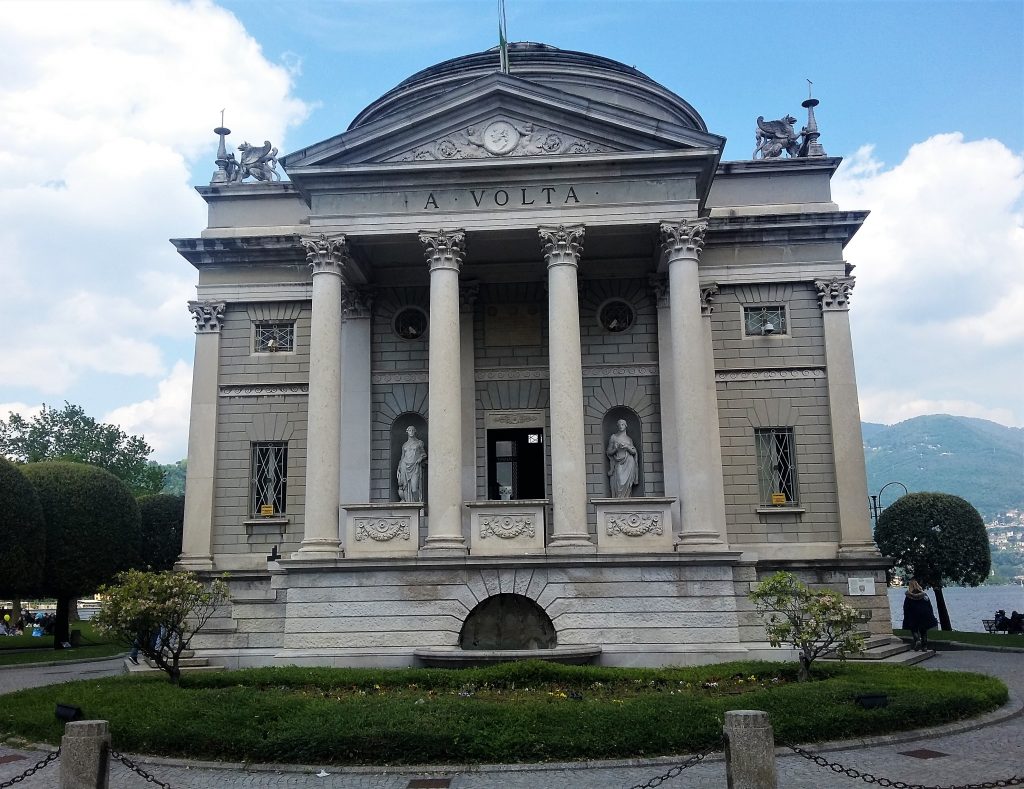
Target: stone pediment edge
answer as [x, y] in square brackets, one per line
[463, 102]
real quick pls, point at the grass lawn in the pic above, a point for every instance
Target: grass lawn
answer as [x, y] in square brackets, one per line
[94, 645]
[525, 712]
[977, 639]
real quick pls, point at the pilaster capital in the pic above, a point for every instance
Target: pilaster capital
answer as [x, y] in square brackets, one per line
[327, 254]
[659, 287]
[444, 249]
[683, 239]
[707, 296]
[834, 294]
[562, 245]
[208, 315]
[468, 294]
[356, 303]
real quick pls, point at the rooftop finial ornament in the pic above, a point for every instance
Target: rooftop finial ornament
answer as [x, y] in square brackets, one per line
[259, 163]
[774, 137]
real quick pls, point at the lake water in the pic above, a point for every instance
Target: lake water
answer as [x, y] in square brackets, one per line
[967, 605]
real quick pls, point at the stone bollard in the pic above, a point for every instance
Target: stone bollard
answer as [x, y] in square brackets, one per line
[749, 750]
[85, 755]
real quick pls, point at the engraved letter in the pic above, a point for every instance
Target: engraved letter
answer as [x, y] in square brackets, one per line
[475, 198]
[547, 191]
[431, 202]
[524, 198]
[504, 194]
[572, 194]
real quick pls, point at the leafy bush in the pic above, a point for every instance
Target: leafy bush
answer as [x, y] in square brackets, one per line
[162, 519]
[813, 622]
[22, 532]
[158, 612]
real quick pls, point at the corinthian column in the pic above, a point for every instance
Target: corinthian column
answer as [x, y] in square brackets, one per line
[196, 543]
[444, 253]
[701, 526]
[327, 256]
[855, 535]
[562, 248]
[354, 457]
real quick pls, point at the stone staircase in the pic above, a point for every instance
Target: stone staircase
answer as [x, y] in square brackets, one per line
[887, 649]
[188, 663]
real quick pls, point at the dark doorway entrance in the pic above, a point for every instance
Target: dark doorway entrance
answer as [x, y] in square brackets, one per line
[515, 461]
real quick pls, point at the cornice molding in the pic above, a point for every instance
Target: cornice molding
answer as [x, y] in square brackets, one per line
[263, 390]
[770, 374]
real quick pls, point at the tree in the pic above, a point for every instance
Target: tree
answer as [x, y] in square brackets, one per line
[70, 435]
[160, 612]
[813, 622]
[174, 478]
[22, 532]
[163, 517]
[937, 538]
[92, 531]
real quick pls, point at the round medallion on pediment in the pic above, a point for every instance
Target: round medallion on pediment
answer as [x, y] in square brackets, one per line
[500, 138]
[447, 149]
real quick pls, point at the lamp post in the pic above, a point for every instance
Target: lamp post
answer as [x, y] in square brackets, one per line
[876, 500]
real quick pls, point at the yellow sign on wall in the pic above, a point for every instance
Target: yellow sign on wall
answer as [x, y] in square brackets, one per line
[266, 509]
[778, 498]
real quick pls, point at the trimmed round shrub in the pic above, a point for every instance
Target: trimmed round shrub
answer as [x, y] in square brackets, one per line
[22, 532]
[162, 518]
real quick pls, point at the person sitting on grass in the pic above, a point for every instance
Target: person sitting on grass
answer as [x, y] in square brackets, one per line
[1015, 623]
[918, 616]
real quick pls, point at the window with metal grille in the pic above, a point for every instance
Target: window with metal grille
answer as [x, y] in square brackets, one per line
[410, 323]
[616, 315]
[274, 337]
[776, 466]
[764, 320]
[269, 477]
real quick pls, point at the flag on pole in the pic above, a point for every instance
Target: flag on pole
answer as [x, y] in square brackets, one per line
[502, 40]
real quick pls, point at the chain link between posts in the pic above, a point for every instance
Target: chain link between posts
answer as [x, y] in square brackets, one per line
[32, 770]
[138, 770]
[697, 758]
[868, 778]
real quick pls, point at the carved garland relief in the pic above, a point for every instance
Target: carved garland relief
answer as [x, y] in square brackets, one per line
[381, 529]
[498, 138]
[507, 527]
[634, 524]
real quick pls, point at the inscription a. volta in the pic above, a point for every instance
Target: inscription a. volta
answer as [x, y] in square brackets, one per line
[513, 196]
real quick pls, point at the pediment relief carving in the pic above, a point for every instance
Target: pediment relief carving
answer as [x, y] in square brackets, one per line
[498, 138]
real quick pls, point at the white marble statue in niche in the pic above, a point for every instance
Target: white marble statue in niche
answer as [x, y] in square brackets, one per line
[623, 473]
[410, 468]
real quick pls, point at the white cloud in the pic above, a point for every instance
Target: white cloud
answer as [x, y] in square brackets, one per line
[23, 410]
[105, 108]
[938, 312]
[163, 420]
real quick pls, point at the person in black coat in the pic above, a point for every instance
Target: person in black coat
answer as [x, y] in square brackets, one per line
[918, 616]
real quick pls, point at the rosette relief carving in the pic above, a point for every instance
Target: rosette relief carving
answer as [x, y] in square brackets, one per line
[506, 527]
[634, 524]
[381, 529]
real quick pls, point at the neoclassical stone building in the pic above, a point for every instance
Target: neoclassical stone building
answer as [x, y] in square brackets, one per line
[517, 362]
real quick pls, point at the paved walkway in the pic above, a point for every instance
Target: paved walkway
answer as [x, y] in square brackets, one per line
[983, 754]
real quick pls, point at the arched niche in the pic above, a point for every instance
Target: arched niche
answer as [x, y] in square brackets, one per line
[508, 621]
[634, 428]
[398, 438]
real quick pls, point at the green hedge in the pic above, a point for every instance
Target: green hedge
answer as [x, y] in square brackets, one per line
[518, 712]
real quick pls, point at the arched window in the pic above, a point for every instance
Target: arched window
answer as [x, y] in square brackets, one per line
[508, 621]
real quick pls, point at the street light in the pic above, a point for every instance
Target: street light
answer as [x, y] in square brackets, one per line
[876, 500]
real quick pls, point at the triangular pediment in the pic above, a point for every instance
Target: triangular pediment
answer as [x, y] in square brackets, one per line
[500, 117]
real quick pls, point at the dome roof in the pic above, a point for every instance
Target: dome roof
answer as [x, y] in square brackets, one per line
[580, 74]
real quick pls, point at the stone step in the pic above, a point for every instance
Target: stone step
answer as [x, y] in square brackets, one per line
[187, 666]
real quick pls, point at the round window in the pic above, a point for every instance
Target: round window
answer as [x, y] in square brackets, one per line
[410, 323]
[616, 315]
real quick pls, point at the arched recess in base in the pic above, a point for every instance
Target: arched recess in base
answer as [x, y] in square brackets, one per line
[508, 621]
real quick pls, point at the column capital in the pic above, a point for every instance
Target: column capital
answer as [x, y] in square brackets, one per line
[659, 287]
[208, 315]
[683, 239]
[356, 303]
[707, 296]
[562, 245]
[444, 249]
[468, 294]
[834, 294]
[327, 254]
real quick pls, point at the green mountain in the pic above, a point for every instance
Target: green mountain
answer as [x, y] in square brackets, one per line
[978, 460]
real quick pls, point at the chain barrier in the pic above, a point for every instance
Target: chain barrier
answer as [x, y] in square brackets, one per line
[136, 769]
[697, 758]
[868, 778]
[32, 770]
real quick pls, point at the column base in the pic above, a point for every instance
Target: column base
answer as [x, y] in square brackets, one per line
[444, 545]
[317, 550]
[697, 541]
[858, 550]
[194, 564]
[571, 543]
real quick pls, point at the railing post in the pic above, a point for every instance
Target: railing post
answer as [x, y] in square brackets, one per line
[749, 750]
[85, 755]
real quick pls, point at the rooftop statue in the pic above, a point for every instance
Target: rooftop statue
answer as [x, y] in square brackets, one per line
[256, 162]
[774, 137]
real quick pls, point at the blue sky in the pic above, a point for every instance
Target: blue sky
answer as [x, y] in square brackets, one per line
[107, 107]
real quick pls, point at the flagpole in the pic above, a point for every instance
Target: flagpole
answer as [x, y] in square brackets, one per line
[502, 38]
